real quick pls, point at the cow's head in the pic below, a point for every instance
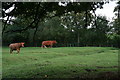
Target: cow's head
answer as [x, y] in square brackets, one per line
[22, 44]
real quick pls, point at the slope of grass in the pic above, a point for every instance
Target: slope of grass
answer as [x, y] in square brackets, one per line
[63, 62]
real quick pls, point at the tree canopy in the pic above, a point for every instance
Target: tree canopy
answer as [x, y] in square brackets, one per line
[72, 22]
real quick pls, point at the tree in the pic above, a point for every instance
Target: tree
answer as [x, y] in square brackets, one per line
[75, 23]
[30, 17]
[41, 9]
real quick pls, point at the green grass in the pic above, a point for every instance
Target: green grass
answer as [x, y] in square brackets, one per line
[62, 62]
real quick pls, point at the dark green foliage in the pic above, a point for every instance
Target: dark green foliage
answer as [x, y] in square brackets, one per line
[73, 24]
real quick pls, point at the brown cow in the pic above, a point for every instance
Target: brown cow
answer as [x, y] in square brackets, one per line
[44, 43]
[16, 46]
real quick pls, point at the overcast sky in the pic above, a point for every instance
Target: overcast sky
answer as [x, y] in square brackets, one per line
[107, 10]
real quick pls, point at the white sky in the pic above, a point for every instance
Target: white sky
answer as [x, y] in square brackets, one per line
[10, 9]
[107, 10]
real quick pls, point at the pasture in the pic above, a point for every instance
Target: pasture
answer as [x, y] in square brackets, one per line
[61, 62]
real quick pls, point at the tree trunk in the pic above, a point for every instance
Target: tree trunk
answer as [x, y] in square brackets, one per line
[86, 20]
[78, 38]
[5, 25]
[119, 13]
[34, 36]
[95, 18]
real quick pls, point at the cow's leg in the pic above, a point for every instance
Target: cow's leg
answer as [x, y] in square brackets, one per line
[51, 45]
[42, 46]
[45, 46]
[18, 50]
[11, 51]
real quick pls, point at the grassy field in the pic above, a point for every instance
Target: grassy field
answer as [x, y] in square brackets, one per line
[62, 62]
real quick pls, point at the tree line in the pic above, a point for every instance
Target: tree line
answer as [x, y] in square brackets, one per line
[74, 24]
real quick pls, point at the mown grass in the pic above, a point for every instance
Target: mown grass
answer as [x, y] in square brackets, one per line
[62, 62]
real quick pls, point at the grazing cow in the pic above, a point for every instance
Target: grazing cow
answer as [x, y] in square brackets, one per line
[44, 43]
[16, 46]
